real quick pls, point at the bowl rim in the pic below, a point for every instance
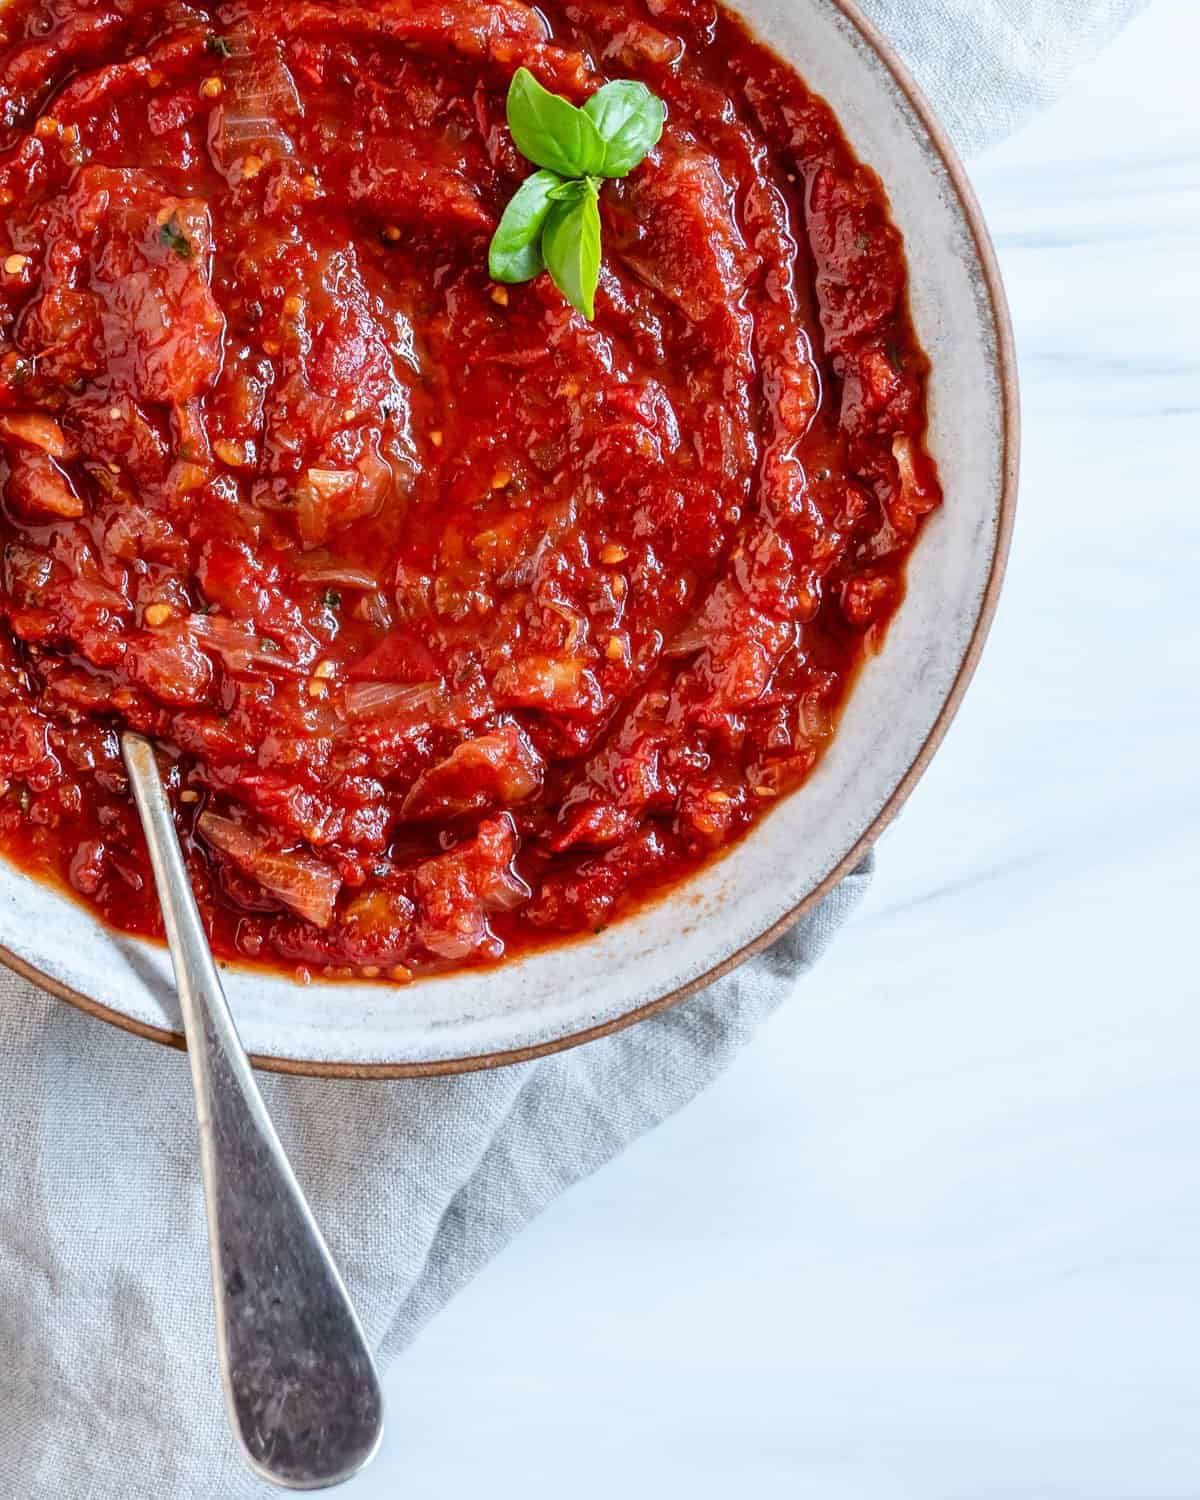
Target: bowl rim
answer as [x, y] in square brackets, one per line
[1011, 433]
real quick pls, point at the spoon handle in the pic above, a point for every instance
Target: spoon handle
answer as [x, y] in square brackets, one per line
[300, 1384]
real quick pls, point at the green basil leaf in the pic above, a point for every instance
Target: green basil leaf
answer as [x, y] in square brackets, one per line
[550, 131]
[574, 187]
[514, 254]
[630, 121]
[571, 250]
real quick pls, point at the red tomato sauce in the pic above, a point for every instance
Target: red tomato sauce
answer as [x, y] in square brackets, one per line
[461, 622]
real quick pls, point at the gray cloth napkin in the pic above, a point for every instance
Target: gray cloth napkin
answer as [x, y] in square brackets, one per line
[987, 66]
[108, 1387]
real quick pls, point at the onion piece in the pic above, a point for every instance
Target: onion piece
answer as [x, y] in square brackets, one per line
[686, 642]
[321, 568]
[345, 578]
[330, 483]
[364, 698]
[814, 720]
[260, 95]
[503, 891]
[250, 131]
[374, 609]
[576, 626]
[238, 648]
[302, 882]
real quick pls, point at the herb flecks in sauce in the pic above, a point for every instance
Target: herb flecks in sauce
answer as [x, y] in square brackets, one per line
[171, 234]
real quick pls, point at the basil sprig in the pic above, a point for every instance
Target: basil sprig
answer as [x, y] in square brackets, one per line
[552, 222]
[571, 243]
[629, 120]
[516, 252]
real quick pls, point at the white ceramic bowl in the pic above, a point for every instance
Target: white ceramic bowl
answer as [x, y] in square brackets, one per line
[896, 716]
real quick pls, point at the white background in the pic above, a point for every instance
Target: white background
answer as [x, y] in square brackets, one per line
[937, 1235]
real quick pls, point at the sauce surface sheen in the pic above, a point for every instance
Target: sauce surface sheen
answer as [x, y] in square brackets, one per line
[462, 622]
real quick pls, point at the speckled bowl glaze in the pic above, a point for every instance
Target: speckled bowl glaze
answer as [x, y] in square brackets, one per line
[896, 717]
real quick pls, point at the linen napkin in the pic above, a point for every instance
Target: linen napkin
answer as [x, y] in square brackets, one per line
[108, 1385]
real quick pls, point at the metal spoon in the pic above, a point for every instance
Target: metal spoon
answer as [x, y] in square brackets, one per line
[300, 1385]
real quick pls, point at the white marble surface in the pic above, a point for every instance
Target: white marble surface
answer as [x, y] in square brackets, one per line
[937, 1236]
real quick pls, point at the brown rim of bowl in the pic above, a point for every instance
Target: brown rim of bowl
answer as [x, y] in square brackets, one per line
[1006, 353]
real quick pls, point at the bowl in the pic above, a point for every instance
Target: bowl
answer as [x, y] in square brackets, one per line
[898, 712]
